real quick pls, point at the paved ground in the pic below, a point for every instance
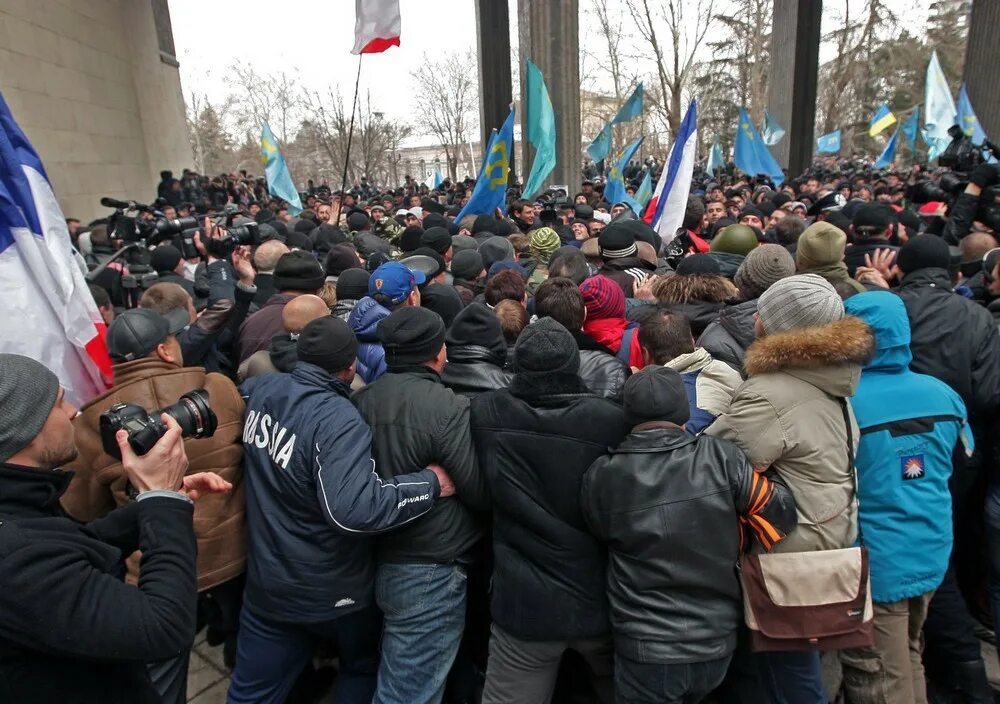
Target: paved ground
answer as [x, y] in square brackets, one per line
[208, 678]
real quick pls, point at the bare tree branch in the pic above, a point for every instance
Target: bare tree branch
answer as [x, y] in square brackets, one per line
[447, 102]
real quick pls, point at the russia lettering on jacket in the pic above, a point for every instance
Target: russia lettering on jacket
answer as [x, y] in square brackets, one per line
[264, 432]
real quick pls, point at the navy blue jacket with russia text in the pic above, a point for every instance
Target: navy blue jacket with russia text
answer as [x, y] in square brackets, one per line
[314, 499]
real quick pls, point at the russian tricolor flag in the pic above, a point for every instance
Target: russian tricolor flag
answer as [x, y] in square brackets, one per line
[665, 212]
[376, 27]
[48, 313]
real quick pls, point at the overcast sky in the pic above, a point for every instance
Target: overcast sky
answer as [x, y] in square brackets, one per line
[313, 39]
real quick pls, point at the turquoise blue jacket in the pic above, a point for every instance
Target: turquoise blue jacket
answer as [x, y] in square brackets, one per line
[910, 425]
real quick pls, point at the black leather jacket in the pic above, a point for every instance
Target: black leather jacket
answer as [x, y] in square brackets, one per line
[667, 505]
[600, 370]
[473, 369]
[961, 214]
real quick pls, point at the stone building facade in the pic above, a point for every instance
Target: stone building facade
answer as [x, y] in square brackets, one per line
[94, 85]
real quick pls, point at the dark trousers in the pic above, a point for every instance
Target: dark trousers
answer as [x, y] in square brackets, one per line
[792, 677]
[949, 631]
[993, 545]
[742, 682]
[686, 683]
[270, 655]
[169, 678]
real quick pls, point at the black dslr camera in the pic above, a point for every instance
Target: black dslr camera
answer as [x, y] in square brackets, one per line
[192, 413]
[234, 235]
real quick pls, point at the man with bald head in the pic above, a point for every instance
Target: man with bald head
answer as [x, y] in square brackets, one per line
[973, 248]
[282, 356]
[265, 258]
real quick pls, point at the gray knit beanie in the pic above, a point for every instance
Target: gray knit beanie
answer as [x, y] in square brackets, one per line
[801, 301]
[28, 391]
[764, 265]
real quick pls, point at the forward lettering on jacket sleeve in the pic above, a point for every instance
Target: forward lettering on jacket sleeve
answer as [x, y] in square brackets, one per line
[355, 499]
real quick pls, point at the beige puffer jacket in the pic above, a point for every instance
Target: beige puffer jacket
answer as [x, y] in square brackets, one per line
[788, 416]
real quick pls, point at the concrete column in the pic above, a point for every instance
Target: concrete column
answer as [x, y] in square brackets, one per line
[982, 54]
[548, 34]
[795, 39]
[495, 92]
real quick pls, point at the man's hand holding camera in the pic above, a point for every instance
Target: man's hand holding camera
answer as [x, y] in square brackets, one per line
[163, 468]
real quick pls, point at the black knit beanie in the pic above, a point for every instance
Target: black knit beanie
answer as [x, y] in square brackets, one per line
[411, 335]
[546, 347]
[478, 326]
[298, 271]
[410, 239]
[352, 284]
[329, 343]
[924, 252]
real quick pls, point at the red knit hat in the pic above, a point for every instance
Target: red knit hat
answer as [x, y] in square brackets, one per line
[602, 298]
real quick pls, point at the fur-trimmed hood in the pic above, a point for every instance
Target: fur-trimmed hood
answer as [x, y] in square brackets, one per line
[696, 287]
[829, 357]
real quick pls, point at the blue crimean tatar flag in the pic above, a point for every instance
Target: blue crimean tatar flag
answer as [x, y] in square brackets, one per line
[829, 143]
[279, 180]
[750, 154]
[491, 185]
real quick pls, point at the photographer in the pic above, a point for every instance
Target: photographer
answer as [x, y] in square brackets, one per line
[209, 339]
[148, 371]
[70, 629]
[963, 214]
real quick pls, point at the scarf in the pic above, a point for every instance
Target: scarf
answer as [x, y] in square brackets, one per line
[610, 331]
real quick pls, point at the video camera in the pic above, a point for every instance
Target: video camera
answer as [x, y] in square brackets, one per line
[192, 413]
[961, 157]
[129, 228]
[180, 231]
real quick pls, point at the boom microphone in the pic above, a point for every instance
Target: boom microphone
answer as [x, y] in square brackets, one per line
[123, 204]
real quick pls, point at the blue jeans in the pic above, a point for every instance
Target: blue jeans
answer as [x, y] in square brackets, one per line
[792, 677]
[682, 683]
[424, 608]
[270, 655]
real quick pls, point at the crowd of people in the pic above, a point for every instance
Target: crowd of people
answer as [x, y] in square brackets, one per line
[520, 456]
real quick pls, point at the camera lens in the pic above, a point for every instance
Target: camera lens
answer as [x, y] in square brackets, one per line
[193, 414]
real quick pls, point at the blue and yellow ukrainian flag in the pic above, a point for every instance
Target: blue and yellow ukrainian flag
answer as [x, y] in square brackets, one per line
[881, 120]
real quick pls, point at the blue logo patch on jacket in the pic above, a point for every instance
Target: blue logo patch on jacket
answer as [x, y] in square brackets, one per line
[912, 466]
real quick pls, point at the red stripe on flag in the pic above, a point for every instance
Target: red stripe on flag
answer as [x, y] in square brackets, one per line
[97, 350]
[650, 210]
[379, 44]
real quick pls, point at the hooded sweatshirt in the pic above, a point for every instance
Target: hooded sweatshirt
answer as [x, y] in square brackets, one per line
[910, 423]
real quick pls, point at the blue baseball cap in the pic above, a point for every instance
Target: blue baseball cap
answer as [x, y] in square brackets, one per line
[394, 281]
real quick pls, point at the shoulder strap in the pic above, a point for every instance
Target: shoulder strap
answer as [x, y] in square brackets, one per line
[850, 460]
[625, 351]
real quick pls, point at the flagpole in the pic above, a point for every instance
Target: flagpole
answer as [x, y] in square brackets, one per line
[350, 131]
